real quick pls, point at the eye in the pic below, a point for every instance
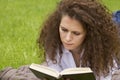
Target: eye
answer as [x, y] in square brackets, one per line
[64, 30]
[76, 33]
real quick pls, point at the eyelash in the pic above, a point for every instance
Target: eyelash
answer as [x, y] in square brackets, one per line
[65, 30]
[75, 33]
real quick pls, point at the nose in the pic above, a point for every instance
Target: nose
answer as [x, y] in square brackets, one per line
[68, 37]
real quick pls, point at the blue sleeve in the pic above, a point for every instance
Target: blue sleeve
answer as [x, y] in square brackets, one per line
[53, 65]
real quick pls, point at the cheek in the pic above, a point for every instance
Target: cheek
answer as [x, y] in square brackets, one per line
[61, 35]
[80, 40]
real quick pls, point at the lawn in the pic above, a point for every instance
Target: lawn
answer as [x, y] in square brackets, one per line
[20, 22]
[113, 5]
[19, 27]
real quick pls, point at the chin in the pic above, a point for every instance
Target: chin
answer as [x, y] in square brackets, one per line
[68, 48]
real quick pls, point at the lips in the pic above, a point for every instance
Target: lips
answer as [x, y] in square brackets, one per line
[67, 44]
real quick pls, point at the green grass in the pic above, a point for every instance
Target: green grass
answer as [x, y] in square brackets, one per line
[19, 27]
[113, 5]
[20, 21]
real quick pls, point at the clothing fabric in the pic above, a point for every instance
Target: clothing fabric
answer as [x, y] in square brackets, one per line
[116, 19]
[116, 75]
[116, 16]
[67, 61]
[22, 73]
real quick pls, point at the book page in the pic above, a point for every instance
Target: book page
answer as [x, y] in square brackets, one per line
[45, 70]
[76, 71]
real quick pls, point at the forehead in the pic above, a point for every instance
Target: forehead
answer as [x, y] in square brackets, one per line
[71, 23]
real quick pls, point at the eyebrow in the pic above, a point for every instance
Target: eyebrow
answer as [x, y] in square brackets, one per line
[61, 25]
[67, 29]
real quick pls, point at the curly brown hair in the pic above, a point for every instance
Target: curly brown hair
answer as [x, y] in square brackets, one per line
[101, 43]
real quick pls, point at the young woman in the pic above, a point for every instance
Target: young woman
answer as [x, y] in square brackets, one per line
[81, 33]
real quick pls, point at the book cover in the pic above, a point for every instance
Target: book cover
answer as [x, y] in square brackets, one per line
[73, 73]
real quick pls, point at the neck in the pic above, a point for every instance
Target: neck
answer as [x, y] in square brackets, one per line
[76, 51]
[76, 55]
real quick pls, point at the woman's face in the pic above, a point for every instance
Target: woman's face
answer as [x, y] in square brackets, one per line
[72, 33]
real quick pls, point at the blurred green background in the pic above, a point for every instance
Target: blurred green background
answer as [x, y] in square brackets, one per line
[20, 22]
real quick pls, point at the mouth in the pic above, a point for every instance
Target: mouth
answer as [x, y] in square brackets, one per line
[68, 44]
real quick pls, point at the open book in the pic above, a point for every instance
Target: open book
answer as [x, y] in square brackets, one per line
[73, 73]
